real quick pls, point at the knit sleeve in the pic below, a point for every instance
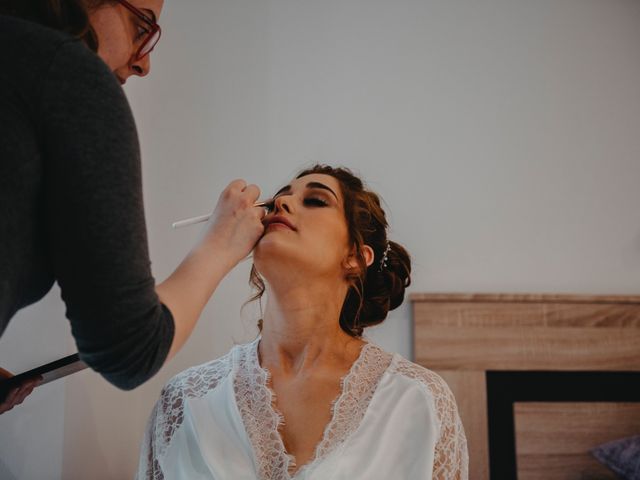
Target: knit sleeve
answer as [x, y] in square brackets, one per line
[93, 212]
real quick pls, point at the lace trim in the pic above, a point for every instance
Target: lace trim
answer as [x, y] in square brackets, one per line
[349, 408]
[262, 420]
[168, 413]
[255, 403]
[451, 459]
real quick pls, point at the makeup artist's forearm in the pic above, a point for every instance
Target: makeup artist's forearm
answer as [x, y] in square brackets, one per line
[188, 289]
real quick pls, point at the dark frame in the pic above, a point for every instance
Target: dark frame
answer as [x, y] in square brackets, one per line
[504, 388]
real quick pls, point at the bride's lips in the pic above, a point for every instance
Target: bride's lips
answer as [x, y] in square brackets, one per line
[280, 220]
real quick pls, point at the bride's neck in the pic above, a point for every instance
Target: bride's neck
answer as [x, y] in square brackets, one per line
[301, 330]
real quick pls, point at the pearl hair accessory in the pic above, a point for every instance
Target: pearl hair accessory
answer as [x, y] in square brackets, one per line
[383, 260]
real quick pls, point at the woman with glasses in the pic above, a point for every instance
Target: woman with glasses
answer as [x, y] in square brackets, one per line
[71, 206]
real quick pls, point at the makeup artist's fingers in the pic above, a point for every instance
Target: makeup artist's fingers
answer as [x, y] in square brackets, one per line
[32, 383]
[11, 397]
[9, 402]
[262, 213]
[252, 193]
[18, 394]
[237, 184]
[236, 225]
[240, 189]
[23, 393]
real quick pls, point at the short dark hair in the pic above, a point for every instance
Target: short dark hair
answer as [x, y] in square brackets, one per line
[70, 16]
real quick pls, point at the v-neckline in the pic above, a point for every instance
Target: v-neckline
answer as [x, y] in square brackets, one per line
[262, 419]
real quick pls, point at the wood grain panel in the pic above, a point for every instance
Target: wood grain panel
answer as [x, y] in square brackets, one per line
[470, 391]
[563, 467]
[463, 335]
[478, 314]
[595, 315]
[522, 348]
[523, 297]
[553, 439]
[513, 313]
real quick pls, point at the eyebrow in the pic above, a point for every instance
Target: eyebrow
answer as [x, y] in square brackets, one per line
[319, 185]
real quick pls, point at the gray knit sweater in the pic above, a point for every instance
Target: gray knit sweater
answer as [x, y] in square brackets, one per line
[71, 202]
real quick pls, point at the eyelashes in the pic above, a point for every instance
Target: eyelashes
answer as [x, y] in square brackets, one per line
[270, 207]
[315, 202]
[309, 202]
[142, 32]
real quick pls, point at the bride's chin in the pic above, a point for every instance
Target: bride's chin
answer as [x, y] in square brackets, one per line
[265, 248]
[268, 253]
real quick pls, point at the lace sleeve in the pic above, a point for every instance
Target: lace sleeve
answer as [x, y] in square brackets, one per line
[148, 467]
[451, 457]
[166, 417]
[168, 414]
[451, 461]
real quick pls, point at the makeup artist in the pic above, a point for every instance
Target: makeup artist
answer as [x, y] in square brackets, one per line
[71, 205]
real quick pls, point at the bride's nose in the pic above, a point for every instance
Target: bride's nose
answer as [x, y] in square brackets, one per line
[282, 204]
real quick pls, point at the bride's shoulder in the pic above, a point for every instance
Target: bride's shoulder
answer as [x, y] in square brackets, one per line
[196, 381]
[427, 380]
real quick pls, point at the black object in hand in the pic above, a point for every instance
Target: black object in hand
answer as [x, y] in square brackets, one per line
[49, 372]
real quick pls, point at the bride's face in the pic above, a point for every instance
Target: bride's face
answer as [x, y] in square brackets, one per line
[306, 233]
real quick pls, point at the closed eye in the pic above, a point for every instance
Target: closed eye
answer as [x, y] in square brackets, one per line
[315, 202]
[309, 202]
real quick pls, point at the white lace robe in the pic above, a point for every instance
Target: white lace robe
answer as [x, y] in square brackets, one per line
[393, 420]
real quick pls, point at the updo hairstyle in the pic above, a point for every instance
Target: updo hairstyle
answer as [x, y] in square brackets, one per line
[378, 288]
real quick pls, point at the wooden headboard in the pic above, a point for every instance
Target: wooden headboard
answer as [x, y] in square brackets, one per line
[464, 336]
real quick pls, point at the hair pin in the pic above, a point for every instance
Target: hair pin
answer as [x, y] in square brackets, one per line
[383, 260]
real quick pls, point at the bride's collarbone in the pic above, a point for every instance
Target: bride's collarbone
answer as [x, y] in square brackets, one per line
[306, 392]
[306, 408]
[305, 399]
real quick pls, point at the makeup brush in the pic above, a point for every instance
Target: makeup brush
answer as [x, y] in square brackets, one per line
[204, 218]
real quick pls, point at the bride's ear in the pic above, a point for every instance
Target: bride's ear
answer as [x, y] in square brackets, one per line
[367, 253]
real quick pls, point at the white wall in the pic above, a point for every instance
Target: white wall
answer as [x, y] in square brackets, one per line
[504, 136]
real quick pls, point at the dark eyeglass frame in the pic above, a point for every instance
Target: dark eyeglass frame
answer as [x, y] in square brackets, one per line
[155, 29]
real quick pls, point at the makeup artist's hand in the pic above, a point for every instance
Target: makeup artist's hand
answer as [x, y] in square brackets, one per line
[232, 232]
[236, 225]
[17, 395]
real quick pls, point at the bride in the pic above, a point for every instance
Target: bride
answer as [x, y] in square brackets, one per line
[310, 398]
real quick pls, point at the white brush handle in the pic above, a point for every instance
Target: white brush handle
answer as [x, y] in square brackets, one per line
[204, 218]
[191, 221]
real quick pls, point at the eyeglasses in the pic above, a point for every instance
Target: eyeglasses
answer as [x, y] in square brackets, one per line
[152, 36]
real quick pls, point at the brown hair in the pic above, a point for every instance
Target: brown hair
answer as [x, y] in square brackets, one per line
[374, 290]
[70, 16]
